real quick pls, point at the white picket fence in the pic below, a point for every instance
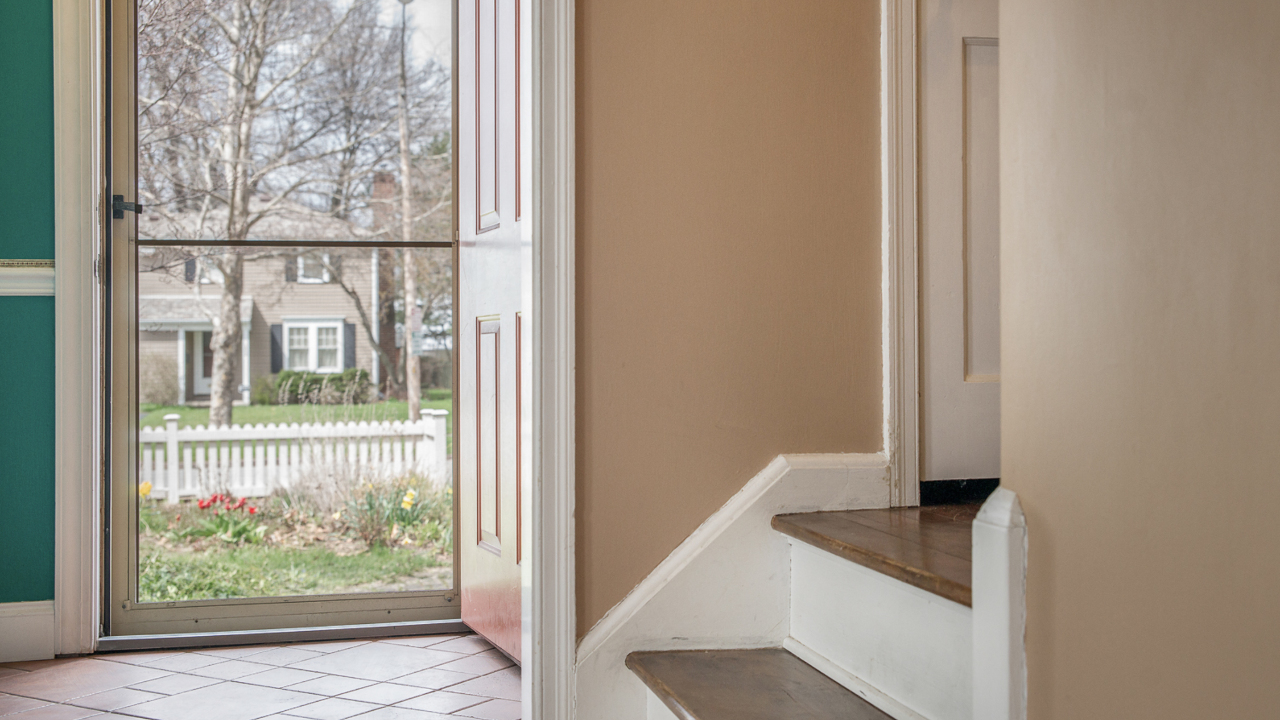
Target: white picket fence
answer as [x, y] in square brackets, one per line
[254, 460]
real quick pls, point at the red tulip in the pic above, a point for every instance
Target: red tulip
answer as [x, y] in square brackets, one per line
[252, 510]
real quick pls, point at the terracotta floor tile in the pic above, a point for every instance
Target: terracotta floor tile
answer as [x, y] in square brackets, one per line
[76, 678]
[287, 677]
[136, 658]
[57, 712]
[330, 646]
[479, 664]
[435, 679]
[174, 684]
[421, 640]
[9, 671]
[286, 656]
[231, 669]
[494, 710]
[114, 699]
[403, 713]
[504, 684]
[332, 709]
[184, 662]
[377, 661]
[224, 701]
[442, 701]
[385, 693]
[325, 684]
[10, 704]
[235, 653]
[467, 645]
[29, 665]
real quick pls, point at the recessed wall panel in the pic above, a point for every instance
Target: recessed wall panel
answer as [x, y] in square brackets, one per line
[982, 209]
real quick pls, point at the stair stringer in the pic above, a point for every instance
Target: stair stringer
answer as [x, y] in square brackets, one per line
[727, 585]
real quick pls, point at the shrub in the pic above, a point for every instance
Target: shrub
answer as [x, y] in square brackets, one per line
[383, 512]
[293, 387]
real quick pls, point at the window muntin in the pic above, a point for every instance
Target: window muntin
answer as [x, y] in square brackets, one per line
[299, 348]
[315, 345]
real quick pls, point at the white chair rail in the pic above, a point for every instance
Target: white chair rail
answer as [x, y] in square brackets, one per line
[254, 460]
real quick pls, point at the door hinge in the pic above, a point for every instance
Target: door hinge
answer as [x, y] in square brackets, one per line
[118, 206]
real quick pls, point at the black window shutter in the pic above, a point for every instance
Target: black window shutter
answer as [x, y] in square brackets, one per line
[348, 346]
[277, 348]
[189, 271]
[290, 268]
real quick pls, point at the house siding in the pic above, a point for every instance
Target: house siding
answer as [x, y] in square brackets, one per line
[275, 301]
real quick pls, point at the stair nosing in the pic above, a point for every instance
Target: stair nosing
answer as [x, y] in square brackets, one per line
[916, 577]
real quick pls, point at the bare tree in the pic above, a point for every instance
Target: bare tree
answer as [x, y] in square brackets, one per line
[239, 158]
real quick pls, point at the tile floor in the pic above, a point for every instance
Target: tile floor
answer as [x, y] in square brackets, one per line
[411, 678]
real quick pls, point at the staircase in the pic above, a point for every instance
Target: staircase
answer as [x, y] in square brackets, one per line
[881, 626]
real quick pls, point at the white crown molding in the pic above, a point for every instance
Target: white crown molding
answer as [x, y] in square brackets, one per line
[26, 281]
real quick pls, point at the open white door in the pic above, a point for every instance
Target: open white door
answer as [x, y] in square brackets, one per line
[494, 304]
[960, 240]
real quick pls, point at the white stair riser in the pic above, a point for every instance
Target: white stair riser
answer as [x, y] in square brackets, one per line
[911, 645]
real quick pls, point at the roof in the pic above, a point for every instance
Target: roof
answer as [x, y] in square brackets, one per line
[170, 309]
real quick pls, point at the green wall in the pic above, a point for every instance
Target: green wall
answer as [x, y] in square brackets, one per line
[26, 128]
[26, 323]
[26, 449]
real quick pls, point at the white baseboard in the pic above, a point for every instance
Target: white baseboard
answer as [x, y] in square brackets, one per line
[27, 631]
[727, 585]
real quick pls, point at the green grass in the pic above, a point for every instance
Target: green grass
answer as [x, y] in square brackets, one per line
[153, 415]
[257, 571]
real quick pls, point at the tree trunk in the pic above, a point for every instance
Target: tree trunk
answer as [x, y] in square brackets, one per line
[412, 318]
[226, 342]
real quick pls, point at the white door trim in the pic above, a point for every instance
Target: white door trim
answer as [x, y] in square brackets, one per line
[899, 183]
[78, 171]
[550, 641]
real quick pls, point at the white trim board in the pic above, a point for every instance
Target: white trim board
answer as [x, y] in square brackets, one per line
[549, 596]
[26, 281]
[900, 272]
[27, 631]
[728, 584]
[77, 104]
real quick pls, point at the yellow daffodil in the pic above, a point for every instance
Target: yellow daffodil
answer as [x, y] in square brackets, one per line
[409, 497]
[144, 489]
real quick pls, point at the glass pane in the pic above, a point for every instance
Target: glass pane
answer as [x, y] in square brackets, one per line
[260, 476]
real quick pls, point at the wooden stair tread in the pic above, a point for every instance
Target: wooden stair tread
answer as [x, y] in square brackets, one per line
[763, 684]
[928, 547]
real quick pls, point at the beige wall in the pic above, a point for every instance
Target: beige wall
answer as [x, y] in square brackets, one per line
[1141, 265]
[729, 261]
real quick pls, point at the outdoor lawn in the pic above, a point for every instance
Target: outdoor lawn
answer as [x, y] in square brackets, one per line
[339, 535]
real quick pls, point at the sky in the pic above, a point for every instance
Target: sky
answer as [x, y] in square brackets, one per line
[432, 25]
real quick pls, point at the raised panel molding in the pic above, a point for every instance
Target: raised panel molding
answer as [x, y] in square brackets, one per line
[488, 330]
[26, 278]
[488, 130]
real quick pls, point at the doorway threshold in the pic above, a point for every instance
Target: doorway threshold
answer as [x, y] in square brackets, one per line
[123, 643]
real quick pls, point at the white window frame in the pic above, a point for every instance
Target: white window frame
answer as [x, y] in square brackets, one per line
[312, 325]
[324, 270]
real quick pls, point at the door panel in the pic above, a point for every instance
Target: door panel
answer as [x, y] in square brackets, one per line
[494, 291]
[960, 240]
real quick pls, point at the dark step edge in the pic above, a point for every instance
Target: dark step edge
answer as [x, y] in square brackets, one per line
[914, 576]
[669, 696]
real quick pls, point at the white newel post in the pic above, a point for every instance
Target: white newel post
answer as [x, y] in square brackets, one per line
[999, 609]
[171, 458]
